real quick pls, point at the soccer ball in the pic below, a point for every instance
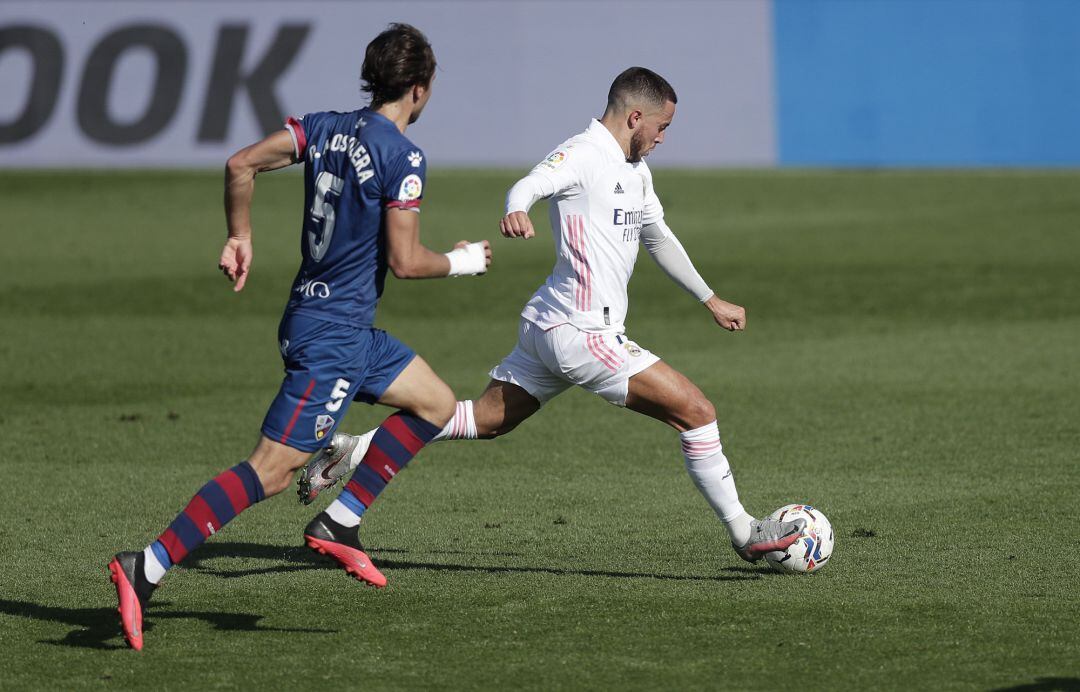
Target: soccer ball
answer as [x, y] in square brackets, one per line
[812, 549]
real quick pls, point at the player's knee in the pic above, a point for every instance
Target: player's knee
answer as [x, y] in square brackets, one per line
[439, 408]
[700, 411]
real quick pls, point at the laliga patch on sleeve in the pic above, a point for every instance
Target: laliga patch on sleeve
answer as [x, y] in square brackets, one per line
[555, 160]
[411, 188]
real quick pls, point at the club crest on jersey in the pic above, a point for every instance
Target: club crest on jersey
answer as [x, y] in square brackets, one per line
[415, 158]
[554, 160]
[323, 423]
[411, 188]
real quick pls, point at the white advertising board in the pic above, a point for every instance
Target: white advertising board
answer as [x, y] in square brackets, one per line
[183, 84]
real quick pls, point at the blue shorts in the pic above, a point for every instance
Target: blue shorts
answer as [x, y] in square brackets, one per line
[328, 365]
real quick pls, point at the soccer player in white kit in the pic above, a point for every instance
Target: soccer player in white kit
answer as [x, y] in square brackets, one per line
[602, 207]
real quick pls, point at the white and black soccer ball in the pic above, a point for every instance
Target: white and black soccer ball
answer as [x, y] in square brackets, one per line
[812, 549]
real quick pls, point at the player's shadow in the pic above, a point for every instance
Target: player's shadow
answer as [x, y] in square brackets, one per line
[99, 628]
[758, 571]
[303, 559]
[1045, 685]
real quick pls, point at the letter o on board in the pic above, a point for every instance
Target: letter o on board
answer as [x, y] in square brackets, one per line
[171, 56]
[48, 57]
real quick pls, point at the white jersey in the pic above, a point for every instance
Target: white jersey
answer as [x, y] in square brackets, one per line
[598, 205]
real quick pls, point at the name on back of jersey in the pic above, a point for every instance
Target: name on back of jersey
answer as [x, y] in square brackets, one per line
[357, 153]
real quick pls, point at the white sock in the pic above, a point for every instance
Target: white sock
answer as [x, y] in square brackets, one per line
[152, 567]
[711, 473]
[341, 513]
[462, 426]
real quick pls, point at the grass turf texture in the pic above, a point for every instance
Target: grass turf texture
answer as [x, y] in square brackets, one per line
[909, 367]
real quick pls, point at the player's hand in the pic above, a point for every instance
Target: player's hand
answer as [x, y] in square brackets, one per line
[516, 224]
[487, 250]
[728, 315]
[235, 261]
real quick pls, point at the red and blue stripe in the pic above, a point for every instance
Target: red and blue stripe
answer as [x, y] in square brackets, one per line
[394, 444]
[213, 506]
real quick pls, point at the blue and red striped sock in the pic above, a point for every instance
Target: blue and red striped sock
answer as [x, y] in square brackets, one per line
[213, 506]
[395, 443]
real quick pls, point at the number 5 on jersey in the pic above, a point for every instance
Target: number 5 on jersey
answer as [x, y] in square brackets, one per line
[322, 211]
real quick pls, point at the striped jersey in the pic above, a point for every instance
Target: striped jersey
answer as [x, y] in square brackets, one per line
[597, 209]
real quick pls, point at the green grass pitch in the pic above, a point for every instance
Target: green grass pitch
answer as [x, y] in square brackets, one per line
[911, 366]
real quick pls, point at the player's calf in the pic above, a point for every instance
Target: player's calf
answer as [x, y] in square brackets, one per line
[500, 409]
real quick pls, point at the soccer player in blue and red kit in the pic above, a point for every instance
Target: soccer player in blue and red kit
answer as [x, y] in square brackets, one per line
[363, 183]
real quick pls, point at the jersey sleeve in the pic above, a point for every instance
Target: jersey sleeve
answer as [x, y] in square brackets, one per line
[561, 170]
[403, 182]
[299, 128]
[653, 211]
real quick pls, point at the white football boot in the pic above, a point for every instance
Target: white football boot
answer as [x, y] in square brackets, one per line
[767, 535]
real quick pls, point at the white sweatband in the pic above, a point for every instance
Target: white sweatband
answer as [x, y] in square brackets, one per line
[467, 261]
[668, 252]
[527, 192]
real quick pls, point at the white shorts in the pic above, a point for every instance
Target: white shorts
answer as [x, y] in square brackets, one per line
[546, 363]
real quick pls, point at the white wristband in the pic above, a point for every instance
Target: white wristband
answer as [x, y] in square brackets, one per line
[467, 261]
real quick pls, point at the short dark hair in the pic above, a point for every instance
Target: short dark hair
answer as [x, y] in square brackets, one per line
[638, 84]
[395, 61]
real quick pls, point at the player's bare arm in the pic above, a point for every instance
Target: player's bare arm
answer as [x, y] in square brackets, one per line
[408, 258]
[273, 152]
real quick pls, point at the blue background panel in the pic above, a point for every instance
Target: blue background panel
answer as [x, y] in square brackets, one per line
[921, 82]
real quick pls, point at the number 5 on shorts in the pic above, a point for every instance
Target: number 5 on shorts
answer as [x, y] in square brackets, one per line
[341, 390]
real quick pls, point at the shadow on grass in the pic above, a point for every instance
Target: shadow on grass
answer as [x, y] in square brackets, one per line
[303, 559]
[95, 627]
[1045, 685]
[746, 569]
[99, 628]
